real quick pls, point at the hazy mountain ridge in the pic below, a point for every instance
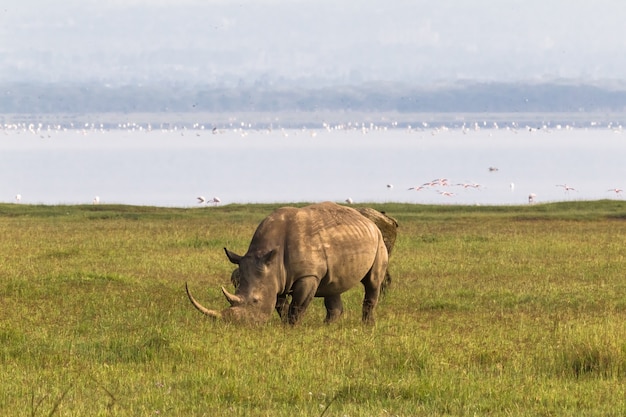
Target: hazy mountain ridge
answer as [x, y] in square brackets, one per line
[32, 97]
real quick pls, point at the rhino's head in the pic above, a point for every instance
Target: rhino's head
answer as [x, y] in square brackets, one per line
[255, 296]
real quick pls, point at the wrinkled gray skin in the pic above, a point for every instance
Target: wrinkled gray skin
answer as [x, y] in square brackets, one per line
[388, 227]
[321, 250]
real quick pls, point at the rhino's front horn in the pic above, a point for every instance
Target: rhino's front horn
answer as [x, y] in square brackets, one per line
[233, 299]
[211, 313]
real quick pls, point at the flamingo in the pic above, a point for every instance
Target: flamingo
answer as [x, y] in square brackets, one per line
[417, 188]
[18, 198]
[566, 187]
[615, 190]
[96, 200]
[531, 198]
[215, 201]
[349, 200]
[439, 181]
[390, 186]
[446, 193]
[201, 199]
[469, 185]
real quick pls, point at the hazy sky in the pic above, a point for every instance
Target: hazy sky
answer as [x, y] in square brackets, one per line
[419, 41]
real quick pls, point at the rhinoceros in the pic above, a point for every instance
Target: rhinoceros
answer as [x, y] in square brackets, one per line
[388, 227]
[321, 250]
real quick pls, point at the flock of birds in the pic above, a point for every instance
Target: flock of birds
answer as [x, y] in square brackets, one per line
[435, 184]
[443, 186]
[443, 182]
[243, 127]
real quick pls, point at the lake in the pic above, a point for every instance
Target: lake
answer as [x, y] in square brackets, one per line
[167, 164]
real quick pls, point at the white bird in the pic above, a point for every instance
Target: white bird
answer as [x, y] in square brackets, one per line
[96, 200]
[615, 190]
[215, 200]
[390, 186]
[201, 200]
[531, 198]
[566, 187]
[349, 200]
[512, 186]
[18, 198]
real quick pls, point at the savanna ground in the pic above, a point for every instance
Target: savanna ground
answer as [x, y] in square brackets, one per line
[500, 311]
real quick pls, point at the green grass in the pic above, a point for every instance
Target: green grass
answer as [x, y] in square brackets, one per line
[494, 311]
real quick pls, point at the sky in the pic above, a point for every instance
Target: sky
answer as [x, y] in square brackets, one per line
[422, 42]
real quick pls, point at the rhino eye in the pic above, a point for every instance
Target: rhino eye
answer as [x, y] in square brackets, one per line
[256, 299]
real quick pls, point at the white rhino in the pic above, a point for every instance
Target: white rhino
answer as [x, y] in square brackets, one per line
[388, 227]
[321, 250]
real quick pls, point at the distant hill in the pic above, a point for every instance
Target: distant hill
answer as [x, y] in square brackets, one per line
[33, 98]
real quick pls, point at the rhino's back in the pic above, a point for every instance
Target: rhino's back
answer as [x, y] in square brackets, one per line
[297, 226]
[333, 242]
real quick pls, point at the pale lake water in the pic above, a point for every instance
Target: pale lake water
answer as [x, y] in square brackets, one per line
[148, 165]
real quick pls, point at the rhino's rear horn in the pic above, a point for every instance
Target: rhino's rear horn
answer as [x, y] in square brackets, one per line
[233, 257]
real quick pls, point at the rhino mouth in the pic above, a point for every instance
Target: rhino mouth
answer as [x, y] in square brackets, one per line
[239, 311]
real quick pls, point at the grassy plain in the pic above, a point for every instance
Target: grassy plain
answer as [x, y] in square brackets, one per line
[498, 311]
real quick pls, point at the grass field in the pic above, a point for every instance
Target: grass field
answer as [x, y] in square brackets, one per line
[497, 311]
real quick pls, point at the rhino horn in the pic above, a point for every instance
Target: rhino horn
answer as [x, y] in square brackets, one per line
[233, 299]
[211, 313]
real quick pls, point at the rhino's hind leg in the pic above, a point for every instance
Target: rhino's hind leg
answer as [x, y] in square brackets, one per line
[373, 283]
[372, 292]
[334, 308]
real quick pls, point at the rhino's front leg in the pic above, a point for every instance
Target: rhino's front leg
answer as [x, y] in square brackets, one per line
[334, 307]
[282, 307]
[303, 291]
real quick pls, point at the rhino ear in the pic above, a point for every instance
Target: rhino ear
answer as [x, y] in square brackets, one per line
[267, 258]
[233, 257]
